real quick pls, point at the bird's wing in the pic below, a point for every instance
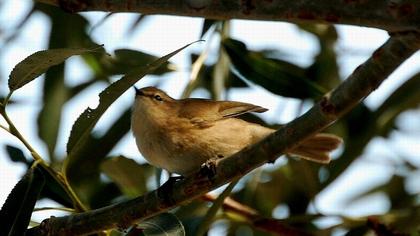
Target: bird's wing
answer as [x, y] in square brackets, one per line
[204, 112]
[232, 109]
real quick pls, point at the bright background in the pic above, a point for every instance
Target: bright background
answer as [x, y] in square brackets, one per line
[163, 34]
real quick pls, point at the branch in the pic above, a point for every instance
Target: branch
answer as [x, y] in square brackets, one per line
[388, 15]
[366, 78]
[268, 225]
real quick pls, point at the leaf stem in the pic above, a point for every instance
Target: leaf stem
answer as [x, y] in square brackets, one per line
[6, 99]
[5, 128]
[54, 209]
[39, 160]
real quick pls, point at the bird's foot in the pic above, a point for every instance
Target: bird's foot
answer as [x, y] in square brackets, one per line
[208, 168]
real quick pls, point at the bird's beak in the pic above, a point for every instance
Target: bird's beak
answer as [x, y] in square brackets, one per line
[138, 91]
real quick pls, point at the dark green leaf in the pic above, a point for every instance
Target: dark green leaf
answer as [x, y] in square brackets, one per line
[324, 69]
[84, 170]
[87, 120]
[16, 154]
[39, 62]
[54, 191]
[17, 210]
[207, 24]
[277, 76]
[55, 91]
[130, 176]
[125, 60]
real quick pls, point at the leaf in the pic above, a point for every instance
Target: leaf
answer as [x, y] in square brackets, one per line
[86, 171]
[55, 92]
[324, 70]
[207, 24]
[87, 120]
[16, 155]
[130, 176]
[162, 225]
[126, 59]
[17, 210]
[39, 62]
[277, 76]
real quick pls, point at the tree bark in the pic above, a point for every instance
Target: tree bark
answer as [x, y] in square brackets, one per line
[390, 15]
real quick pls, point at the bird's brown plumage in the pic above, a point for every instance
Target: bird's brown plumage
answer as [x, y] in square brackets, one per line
[180, 135]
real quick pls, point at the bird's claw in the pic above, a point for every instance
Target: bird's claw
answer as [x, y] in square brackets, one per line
[208, 169]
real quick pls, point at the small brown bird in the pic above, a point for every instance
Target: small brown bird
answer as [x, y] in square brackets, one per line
[181, 135]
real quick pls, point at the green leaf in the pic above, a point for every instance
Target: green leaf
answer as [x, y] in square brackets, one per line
[126, 59]
[84, 170]
[17, 210]
[16, 155]
[130, 176]
[39, 62]
[162, 225]
[277, 76]
[324, 70]
[87, 120]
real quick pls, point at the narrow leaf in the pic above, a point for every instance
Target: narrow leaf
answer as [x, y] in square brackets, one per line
[130, 176]
[38, 63]
[277, 76]
[17, 210]
[87, 120]
[126, 59]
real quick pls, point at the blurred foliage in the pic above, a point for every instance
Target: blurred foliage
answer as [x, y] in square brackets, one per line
[101, 179]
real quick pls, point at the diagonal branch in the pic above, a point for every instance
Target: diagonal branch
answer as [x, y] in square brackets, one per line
[365, 79]
[388, 15]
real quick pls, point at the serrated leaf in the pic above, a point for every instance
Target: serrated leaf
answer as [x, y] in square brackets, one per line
[162, 225]
[86, 171]
[277, 76]
[16, 212]
[39, 62]
[130, 176]
[87, 120]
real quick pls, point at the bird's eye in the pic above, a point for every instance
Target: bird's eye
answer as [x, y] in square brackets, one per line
[158, 98]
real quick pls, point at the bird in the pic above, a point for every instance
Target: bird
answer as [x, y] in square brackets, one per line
[179, 135]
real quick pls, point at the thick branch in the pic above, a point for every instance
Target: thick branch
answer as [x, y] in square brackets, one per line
[366, 78]
[388, 15]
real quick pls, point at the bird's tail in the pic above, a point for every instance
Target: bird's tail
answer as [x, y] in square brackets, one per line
[317, 148]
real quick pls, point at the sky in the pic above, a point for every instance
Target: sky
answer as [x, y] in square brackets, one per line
[163, 34]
